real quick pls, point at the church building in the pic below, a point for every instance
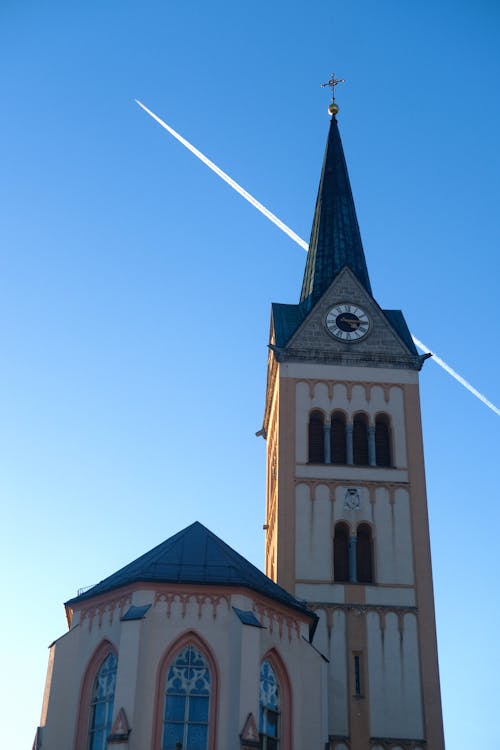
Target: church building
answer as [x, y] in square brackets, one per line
[191, 647]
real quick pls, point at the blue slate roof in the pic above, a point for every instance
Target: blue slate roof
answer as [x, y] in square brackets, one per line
[398, 322]
[286, 320]
[335, 237]
[195, 555]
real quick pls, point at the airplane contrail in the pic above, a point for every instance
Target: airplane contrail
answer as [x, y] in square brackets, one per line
[303, 244]
[218, 171]
[454, 374]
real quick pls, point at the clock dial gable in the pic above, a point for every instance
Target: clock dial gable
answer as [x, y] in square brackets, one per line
[326, 334]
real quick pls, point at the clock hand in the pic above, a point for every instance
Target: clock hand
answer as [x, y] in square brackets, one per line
[352, 323]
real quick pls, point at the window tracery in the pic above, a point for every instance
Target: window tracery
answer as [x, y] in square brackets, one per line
[269, 708]
[187, 698]
[101, 707]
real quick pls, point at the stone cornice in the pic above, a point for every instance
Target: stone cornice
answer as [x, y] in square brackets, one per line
[350, 358]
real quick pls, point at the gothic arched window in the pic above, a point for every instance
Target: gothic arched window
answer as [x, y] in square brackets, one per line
[269, 708]
[364, 554]
[316, 438]
[360, 440]
[382, 441]
[338, 439]
[101, 705]
[341, 553]
[187, 699]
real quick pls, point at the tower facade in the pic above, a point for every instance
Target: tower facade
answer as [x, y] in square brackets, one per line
[346, 510]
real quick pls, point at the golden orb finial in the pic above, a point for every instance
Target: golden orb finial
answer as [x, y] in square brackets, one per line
[333, 109]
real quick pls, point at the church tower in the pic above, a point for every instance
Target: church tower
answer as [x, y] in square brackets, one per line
[346, 510]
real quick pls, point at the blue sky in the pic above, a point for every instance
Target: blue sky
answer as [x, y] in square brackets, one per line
[135, 287]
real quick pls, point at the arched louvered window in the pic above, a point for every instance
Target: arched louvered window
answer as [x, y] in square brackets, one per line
[341, 553]
[364, 554]
[338, 439]
[101, 706]
[360, 440]
[269, 708]
[316, 438]
[187, 698]
[382, 441]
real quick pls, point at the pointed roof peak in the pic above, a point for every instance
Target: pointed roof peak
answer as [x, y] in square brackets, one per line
[335, 237]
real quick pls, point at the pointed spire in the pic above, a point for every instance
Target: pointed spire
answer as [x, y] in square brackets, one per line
[335, 238]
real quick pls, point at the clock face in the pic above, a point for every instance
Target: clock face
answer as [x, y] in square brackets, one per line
[347, 322]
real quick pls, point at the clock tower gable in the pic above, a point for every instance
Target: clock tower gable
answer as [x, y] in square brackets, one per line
[346, 326]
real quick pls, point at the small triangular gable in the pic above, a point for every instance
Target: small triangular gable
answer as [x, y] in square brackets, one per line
[120, 730]
[249, 736]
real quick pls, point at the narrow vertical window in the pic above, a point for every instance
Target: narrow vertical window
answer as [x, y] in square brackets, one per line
[382, 441]
[187, 697]
[364, 554]
[338, 438]
[360, 440]
[357, 675]
[341, 553]
[269, 708]
[101, 707]
[316, 438]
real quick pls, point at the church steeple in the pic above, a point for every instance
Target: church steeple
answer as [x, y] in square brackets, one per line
[346, 515]
[335, 237]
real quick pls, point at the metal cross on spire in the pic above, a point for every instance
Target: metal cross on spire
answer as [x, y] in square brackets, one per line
[332, 83]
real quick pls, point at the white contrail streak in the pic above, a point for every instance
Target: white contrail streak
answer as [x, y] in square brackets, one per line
[272, 217]
[455, 375]
[295, 237]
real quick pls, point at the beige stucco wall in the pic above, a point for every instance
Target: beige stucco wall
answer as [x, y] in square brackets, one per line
[237, 650]
[395, 693]
[392, 694]
[319, 508]
[61, 694]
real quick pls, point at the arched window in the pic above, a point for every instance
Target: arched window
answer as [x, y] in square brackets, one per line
[360, 440]
[187, 699]
[269, 708]
[95, 704]
[338, 439]
[364, 554]
[316, 438]
[341, 553]
[382, 440]
[101, 705]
